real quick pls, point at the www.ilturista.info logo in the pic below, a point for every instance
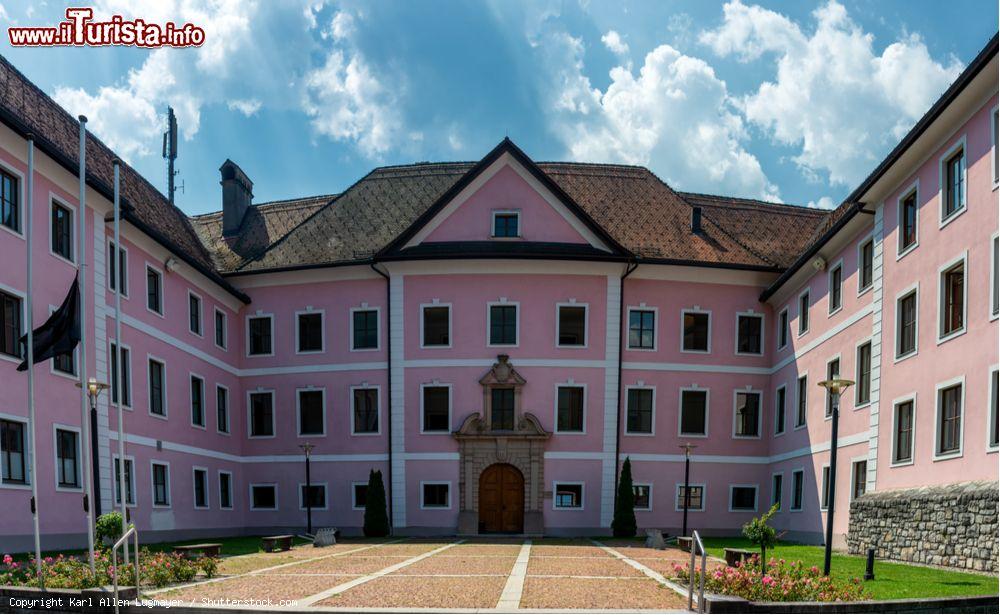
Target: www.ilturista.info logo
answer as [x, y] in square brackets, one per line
[80, 30]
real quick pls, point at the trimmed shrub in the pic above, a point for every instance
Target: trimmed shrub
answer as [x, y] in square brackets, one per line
[376, 518]
[623, 525]
[758, 532]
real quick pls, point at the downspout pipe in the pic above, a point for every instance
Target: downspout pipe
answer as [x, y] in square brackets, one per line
[622, 331]
[388, 390]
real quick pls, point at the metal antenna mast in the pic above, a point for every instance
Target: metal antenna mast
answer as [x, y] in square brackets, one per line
[170, 152]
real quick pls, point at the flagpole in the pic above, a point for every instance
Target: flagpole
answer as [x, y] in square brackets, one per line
[85, 426]
[119, 368]
[30, 201]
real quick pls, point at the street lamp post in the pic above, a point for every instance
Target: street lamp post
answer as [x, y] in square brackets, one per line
[94, 389]
[688, 447]
[307, 448]
[834, 386]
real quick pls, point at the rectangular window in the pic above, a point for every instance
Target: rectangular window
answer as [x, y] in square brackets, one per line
[313, 496]
[436, 409]
[225, 490]
[310, 332]
[68, 458]
[742, 498]
[220, 329]
[222, 409]
[10, 325]
[200, 488]
[694, 413]
[10, 211]
[65, 363]
[797, 478]
[863, 388]
[360, 494]
[365, 331]
[505, 224]
[437, 326]
[950, 420]
[161, 484]
[503, 325]
[994, 427]
[866, 265]
[996, 150]
[157, 393]
[126, 376]
[435, 495]
[747, 414]
[780, 399]
[749, 334]
[906, 325]
[902, 441]
[641, 497]
[194, 314]
[695, 499]
[824, 494]
[954, 187]
[859, 472]
[832, 400]
[568, 495]
[129, 482]
[801, 400]
[263, 497]
[642, 329]
[154, 290]
[569, 409]
[312, 421]
[776, 484]
[197, 401]
[118, 270]
[261, 415]
[502, 409]
[259, 330]
[696, 332]
[953, 300]
[62, 231]
[640, 411]
[804, 312]
[836, 297]
[572, 325]
[995, 278]
[365, 411]
[783, 328]
[907, 222]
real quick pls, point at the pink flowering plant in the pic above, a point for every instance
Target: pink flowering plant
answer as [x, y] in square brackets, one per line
[778, 581]
[73, 572]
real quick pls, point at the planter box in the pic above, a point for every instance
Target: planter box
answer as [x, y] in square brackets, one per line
[684, 542]
[969, 604]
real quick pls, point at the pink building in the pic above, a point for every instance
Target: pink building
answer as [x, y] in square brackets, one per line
[497, 337]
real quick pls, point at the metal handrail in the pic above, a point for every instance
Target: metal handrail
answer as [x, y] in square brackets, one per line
[696, 542]
[114, 560]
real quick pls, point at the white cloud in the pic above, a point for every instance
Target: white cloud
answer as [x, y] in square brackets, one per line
[673, 116]
[823, 202]
[837, 100]
[342, 25]
[613, 41]
[248, 107]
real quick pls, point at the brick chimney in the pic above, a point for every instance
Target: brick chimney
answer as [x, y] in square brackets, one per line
[237, 196]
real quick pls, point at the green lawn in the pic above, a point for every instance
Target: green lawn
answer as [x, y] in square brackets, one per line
[892, 580]
[234, 545]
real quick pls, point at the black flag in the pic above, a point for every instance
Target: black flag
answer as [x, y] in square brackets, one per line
[59, 335]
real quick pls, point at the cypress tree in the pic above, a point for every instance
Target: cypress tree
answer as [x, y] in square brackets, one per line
[623, 525]
[376, 519]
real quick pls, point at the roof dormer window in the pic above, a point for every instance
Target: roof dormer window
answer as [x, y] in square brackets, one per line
[506, 224]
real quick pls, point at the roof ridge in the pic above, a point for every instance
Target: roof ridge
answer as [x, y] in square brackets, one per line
[298, 201]
[802, 209]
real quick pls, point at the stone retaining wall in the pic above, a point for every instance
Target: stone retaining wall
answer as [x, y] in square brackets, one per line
[946, 525]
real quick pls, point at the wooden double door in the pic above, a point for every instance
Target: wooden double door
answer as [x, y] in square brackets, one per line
[501, 500]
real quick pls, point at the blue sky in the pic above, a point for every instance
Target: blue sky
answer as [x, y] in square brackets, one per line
[791, 101]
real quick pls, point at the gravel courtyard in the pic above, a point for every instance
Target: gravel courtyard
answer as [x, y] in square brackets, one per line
[446, 573]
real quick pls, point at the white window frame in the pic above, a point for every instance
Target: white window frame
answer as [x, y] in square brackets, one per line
[257, 315]
[204, 405]
[114, 495]
[912, 399]
[991, 395]
[125, 295]
[152, 484]
[274, 426]
[583, 495]
[517, 322]
[298, 410]
[858, 404]
[201, 314]
[830, 308]
[354, 494]
[253, 508]
[127, 381]
[897, 323]
[378, 398]
[322, 331]
[423, 503]
[56, 428]
[586, 323]
[29, 470]
[642, 307]
[824, 487]
[680, 410]
[993, 148]
[149, 389]
[800, 330]
[854, 475]
[786, 328]
[569, 383]
[229, 410]
[784, 423]
[959, 380]
[958, 144]
[506, 212]
[994, 276]
[801, 474]
[24, 316]
[20, 200]
[163, 297]
[962, 258]
[763, 334]
[911, 190]
[364, 307]
[74, 233]
[870, 238]
[781, 499]
[677, 496]
[194, 492]
[326, 496]
[697, 310]
[232, 502]
[799, 401]
[827, 398]
[760, 413]
[424, 385]
[225, 328]
[649, 487]
[756, 497]
[451, 327]
[652, 420]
